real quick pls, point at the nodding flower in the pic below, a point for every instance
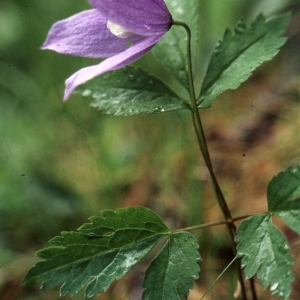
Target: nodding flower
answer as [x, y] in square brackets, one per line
[120, 31]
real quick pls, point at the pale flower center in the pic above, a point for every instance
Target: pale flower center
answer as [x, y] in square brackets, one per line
[118, 30]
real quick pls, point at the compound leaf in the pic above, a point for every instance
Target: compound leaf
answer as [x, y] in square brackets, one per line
[170, 274]
[130, 91]
[266, 253]
[238, 54]
[283, 194]
[98, 253]
[263, 246]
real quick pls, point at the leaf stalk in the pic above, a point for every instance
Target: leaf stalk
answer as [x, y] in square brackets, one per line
[211, 224]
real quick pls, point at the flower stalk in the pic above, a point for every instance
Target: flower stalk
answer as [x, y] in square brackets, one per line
[197, 123]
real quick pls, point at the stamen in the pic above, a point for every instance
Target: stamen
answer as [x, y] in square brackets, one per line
[118, 30]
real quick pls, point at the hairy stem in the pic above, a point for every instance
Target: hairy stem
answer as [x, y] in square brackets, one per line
[205, 153]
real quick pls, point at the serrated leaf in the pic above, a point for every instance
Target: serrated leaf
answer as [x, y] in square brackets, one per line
[130, 91]
[283, 194]
[266, 253]
[272, 259]
[99, 253]
[170, 274]
[238, 54]
[172, 49]
[122, 220]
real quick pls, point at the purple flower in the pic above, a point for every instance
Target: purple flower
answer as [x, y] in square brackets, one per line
[121, 30]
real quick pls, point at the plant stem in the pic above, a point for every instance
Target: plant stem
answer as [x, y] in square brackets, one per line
[204, 150]
[252, 289]
[200, 134]
[211, 224]
[205, 153]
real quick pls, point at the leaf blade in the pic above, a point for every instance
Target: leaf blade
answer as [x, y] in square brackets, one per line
[130, 91]
[93, 258]
[282, 188]
[265, 252]
[169, 276]
[283, 194]
[172, 49]
[238, 54]
[133, 217]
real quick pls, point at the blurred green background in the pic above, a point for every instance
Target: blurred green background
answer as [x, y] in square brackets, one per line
[63, 162]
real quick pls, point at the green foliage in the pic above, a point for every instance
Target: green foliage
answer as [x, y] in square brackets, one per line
[171, 50]
[265, 249]
[283, 197]
[156, 68]
[162, 85]
[122, 221]
[172, 58]
[106, 249]
[130, 91]
[169, 274]
[238, 54]
[266, 253]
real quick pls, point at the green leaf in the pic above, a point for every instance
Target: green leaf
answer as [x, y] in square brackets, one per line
[99, 253]
[170, 274]
[172, 49]
[283, 194]
[263, 246]
[111, 222]
[108, 247]
[266, 253]
[238, 54]
[154, 67]
[130, 91]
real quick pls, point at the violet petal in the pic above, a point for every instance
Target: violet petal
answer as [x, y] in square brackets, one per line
[144, 17]
[116, 62]
[86, 34]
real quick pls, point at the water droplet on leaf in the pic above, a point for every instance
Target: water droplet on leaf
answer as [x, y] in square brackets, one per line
[86, 93]
[294, 170]
[240, 27]
[274, 286]
[216, 52]
[157, 109]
